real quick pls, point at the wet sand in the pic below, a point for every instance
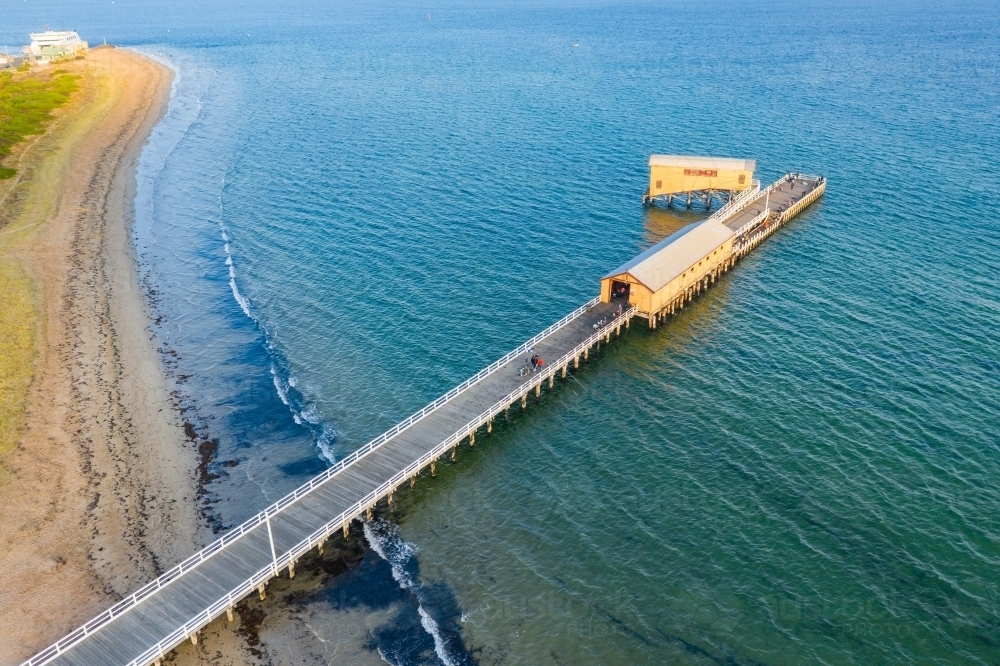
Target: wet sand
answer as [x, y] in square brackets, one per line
[99, 494]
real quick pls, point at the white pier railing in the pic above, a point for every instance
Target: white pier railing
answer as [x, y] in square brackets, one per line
[282, 561]
[130, 602]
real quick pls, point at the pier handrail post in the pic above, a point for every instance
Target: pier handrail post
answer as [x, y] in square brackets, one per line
[270, 537]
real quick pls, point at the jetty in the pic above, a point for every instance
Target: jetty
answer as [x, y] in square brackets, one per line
[144, 627]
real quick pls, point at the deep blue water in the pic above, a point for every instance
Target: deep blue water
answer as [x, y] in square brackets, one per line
[799, 469]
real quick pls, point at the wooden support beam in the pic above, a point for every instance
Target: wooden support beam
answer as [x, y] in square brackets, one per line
[576, 362]
[347, 528]
[322, 541]
[390, 498]
[291, 569]
[564, 370]
[538, 390]
[489, 426]
[413, 481]
[524, 401]
[434, 469]
[454, 452]
[229, 615]
[260, 590]
[586, 353]
[368, 513]
[552, 378]
[472, 438]
[194, 638]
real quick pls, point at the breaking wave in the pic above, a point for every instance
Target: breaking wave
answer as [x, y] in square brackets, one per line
[304, 414]
[384, 539]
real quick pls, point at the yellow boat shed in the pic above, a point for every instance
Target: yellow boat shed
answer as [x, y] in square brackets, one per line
[670, 268]
[677, 174]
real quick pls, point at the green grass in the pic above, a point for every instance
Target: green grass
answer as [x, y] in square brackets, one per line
[26, 105]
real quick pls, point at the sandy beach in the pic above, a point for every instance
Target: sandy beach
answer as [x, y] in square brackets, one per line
[98, 495]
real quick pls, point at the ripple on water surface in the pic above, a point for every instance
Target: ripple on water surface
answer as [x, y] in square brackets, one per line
[800, 468]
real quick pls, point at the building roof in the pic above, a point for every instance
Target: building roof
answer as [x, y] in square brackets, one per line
[693, 162]
[673, 255]
[55, 38]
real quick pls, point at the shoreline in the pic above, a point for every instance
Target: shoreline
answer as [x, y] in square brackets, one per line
[100, 493]
[104, 490]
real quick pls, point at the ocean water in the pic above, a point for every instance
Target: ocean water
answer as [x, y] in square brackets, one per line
[351, 208]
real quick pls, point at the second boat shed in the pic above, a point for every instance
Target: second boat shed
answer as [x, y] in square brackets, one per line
[673, 174]
[671, 269]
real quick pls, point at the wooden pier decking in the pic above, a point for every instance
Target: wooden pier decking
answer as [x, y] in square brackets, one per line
[145, 626]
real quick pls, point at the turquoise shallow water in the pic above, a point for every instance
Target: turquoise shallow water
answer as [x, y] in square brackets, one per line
[799, 469]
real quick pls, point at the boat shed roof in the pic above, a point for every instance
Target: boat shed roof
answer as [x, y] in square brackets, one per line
[660, 264]
[694, 162]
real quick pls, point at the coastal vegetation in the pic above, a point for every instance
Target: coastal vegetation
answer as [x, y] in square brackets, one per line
[17, 348]
[27, 101]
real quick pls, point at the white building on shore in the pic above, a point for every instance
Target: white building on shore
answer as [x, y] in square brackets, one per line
[54, 44]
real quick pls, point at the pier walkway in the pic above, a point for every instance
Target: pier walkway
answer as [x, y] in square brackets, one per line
[782, 199]
[145, 626]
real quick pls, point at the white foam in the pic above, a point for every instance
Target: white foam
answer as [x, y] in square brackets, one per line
[325, 443]
[244, 303]
[279, 385]
[384, 539]
[311, 414]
